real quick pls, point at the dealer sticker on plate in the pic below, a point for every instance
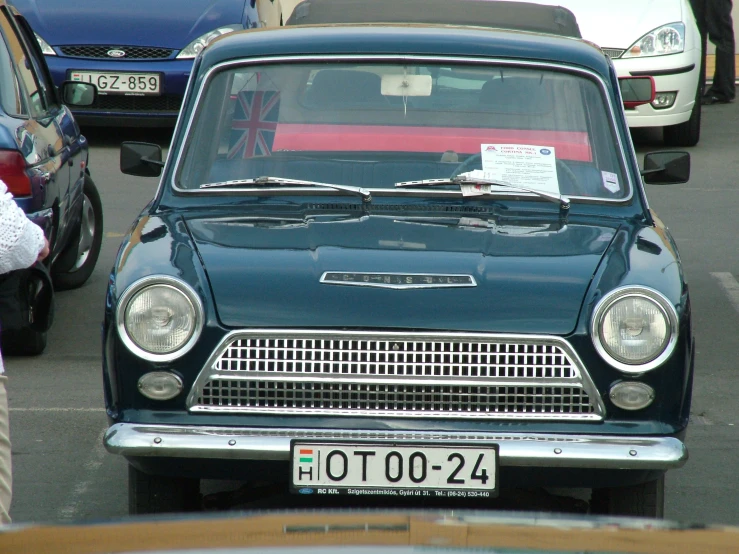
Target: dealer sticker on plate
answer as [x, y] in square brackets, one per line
[389, 469]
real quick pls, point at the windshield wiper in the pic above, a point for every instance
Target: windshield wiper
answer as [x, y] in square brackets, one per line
[281, 181]
[563, 201]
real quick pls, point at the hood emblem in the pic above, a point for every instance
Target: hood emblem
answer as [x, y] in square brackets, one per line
[115, 53]
[398, 280]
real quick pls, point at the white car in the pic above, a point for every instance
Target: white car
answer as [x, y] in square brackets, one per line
[650, 37]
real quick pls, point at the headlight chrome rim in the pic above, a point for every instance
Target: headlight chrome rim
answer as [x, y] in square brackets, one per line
[142, 284]
[665, 306]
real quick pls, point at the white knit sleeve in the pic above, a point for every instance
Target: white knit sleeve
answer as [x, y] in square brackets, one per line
[20, 239]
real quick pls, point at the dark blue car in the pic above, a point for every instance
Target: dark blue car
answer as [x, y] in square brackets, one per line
[401, 261]
[44, 163]
[138, 53]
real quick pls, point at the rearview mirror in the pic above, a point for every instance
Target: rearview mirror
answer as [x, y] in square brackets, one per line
[141, 159]
[636, 91]
[76, 93]
[666, 168]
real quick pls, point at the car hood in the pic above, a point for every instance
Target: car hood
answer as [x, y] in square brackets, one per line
[530, 278]
[628, 20]
[164, 23]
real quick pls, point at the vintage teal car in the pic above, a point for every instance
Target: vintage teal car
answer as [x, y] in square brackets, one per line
[391, 260]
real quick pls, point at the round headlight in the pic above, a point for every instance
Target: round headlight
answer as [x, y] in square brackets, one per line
[634, 329]
[159, 318]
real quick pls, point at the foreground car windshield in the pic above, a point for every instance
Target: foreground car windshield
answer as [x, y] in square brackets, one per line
[376, 125]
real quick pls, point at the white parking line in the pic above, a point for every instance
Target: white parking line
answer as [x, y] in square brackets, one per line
[730, 285]
[70, 511]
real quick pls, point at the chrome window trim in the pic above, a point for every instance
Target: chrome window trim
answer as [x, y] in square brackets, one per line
[173, 282]
[644, 292]
[398, 58]
[208, 372]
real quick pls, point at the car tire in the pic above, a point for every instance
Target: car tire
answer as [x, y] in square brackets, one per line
[644, 500]
[85, 246]
[687, 133]
[23, 342]
[154, 494]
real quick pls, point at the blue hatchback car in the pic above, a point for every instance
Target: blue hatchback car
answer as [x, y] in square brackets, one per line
[44, 163]
[401, 261]
[138, 53]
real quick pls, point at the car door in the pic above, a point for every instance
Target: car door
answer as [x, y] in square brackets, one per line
[39, 137]
[74, 145]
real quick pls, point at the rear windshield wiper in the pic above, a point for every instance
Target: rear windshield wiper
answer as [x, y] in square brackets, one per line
[563, 201]
[281, 181]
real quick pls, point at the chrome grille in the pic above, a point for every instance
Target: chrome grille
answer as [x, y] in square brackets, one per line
[404, 375]
[132, 52]
[613, 52]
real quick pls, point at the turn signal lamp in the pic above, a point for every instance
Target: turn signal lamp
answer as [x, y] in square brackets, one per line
[631, 395]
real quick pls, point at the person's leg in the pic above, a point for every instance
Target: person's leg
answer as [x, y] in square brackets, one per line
[720, 29]
[6, 472]
[699, 12]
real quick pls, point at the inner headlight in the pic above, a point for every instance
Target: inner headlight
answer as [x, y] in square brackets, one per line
[668, 39]
[159, 318]
[197, 45]
[634, 329]
[45, 47]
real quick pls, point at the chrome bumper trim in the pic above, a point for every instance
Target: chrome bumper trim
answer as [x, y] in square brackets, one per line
[516, 449]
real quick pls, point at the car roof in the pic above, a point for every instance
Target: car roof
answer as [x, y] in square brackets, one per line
[406, 39]
[522, 16]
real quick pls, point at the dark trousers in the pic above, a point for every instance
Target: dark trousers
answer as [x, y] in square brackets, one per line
[715, 24]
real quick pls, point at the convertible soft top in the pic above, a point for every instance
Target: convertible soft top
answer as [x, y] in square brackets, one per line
[520, 16]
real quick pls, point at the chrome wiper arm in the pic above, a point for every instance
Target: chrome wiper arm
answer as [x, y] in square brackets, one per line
[562, 200]
[281, 181]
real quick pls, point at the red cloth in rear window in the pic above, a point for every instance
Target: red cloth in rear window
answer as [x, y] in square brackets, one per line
[569, 145]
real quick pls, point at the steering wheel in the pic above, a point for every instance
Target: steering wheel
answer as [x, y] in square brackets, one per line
[476, 159]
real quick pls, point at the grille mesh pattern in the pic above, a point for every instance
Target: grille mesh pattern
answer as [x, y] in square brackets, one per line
[387, 357]
[132, 52]
[366, 374]
[423, 399]
[122, 103]
[613, 52]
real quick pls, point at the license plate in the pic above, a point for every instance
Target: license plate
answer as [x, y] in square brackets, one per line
[130, 84]
[387, 469]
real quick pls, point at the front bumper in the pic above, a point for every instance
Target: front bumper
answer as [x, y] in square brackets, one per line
[516, 449]
[119, 109]
[677, 72]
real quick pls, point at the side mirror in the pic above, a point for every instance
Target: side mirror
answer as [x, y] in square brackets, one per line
[76, 93]
[636, 91]
[666, 168]
[141, 159]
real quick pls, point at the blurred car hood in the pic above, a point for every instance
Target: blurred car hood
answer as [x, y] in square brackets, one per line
[628, 20]
[164, 23]
[530, 278]
[364, 532]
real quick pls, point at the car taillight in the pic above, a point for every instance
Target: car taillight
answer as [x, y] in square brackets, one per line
[13, 172]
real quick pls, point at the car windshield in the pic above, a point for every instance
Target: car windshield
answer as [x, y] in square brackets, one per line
[376, 125]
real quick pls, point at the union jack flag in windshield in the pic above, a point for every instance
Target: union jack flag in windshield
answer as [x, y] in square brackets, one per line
[254, 123]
